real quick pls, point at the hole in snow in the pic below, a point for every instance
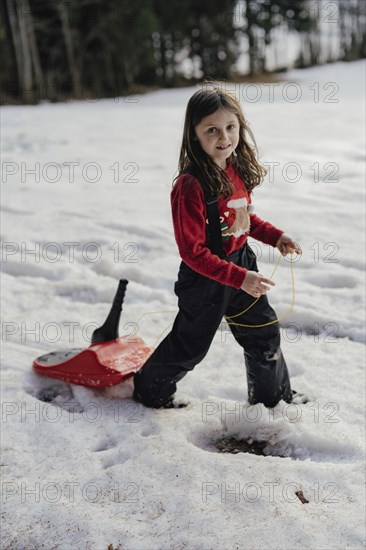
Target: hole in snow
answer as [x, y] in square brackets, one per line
[233, 446]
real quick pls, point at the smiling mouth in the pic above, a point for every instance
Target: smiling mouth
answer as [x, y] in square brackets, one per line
[223, 148]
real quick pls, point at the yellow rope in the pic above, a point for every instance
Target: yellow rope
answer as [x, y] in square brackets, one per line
[162, 332]
[256, 300]
[242, 312]
[154, 313]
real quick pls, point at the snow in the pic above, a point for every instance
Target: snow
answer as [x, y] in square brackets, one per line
[93, 468]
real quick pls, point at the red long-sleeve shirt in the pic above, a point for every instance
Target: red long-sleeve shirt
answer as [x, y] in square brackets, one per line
[190, 218]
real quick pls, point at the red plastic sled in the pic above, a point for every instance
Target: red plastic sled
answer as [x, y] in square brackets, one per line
[107, 362]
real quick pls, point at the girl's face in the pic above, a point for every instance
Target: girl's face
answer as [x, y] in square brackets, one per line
[218, 135]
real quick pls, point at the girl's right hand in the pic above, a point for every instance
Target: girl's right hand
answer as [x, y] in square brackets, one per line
[255, 285]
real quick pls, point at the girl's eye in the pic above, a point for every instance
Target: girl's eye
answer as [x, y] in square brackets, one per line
[214, 130]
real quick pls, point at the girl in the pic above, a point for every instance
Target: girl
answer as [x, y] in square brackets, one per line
[216, 159]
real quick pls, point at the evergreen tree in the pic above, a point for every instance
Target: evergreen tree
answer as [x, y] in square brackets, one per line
[56, 49]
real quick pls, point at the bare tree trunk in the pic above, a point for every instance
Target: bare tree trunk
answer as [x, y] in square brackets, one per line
[359, 27]
[302, 59]
[33, 46]
[362, 28]
[251, 39]
[344, 32]
[278, 46]
[69, 43]
[328, 56]
[314, 47]
[128, 71]
[16, 43]
[27, 60]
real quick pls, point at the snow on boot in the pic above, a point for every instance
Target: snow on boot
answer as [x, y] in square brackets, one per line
[299, 398]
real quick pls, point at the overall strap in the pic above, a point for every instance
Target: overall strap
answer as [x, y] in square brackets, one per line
[213, 229]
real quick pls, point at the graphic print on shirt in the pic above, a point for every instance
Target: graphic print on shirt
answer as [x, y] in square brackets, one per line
[241, 224]
[235, 220]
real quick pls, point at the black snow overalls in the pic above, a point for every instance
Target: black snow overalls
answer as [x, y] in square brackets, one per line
[202, 304]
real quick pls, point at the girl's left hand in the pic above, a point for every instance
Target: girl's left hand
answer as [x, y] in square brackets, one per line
[286, 245]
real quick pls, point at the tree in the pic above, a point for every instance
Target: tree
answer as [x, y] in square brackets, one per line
[29, 71]
[97, 48]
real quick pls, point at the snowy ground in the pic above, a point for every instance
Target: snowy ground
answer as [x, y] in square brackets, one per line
[93, 468]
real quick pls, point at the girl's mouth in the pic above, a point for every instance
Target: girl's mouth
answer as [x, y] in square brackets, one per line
[222, 148]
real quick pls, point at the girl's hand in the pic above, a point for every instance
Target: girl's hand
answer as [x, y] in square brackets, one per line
[255, 285]
[286, 245]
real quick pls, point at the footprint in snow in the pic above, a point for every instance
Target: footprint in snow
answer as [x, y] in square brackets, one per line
[115, 456]
[104, 445]
[59, 394]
